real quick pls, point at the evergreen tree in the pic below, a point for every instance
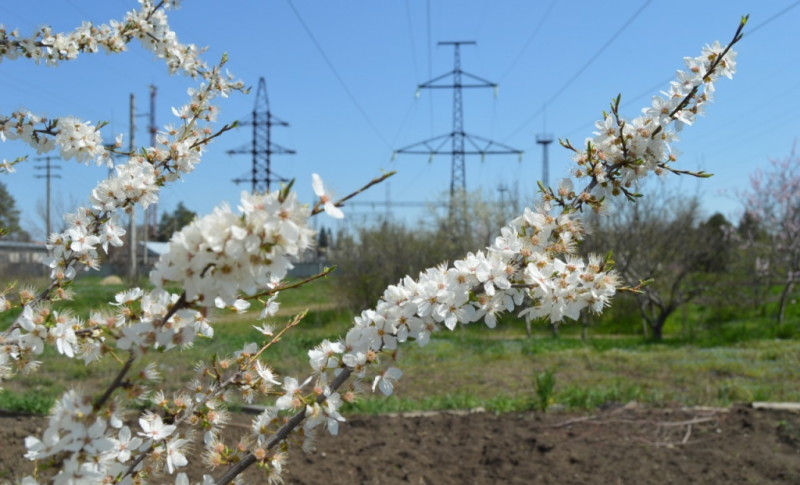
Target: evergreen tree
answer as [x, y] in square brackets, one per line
[322, 241]
[172, 223]
[9, 217]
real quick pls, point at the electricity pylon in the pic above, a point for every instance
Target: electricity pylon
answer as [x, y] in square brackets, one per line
[462, 143]
[261, 175]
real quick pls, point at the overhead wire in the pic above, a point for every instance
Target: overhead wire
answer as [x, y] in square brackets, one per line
[582, 69]
[416, 73]
[529, 41]
[411, 38]
[430, 61]
[481, 19]
[663, 83]
[338, 76]
[626, 102]
[774, 17]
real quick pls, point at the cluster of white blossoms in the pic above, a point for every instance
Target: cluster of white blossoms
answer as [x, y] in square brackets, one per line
[217, 257]
[73, 137]
[625, 151]
[137, 181]
[96, 448]
[531, 265]
[148, 24]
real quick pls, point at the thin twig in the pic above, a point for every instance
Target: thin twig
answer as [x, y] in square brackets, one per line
[570, 421]
[736, 38]
[688, 435]
[295, 321]
[688, 422]
[271, 292]
[318, 208]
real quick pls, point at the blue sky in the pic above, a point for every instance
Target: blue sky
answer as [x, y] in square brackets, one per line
[381, 51]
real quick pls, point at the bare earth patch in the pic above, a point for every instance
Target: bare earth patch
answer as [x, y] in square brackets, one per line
[621, 446]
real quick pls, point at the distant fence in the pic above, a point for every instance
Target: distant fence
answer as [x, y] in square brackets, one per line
[19, 259]
[306, 269]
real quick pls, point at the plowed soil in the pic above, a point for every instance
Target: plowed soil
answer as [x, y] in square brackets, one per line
[626, 445]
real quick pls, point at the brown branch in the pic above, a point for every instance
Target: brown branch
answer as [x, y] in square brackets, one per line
[179, 305]
[271, 292]
[736, 38]
[318, 208]
[222, 130]
[115, 384]
[281, 434]
[295, 321]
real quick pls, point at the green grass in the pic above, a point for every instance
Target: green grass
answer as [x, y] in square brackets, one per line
[27, 402]
[717, 364]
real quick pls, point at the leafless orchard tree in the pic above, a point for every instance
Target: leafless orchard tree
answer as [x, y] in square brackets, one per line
[661, 237]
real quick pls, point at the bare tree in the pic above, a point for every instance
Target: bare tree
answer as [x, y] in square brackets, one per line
[60, 205]
[661, 238]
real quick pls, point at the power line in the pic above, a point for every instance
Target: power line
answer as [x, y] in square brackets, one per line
[583, 68]
[430, 61]
[627, 102]
[528, 42]
[336, 73]
[667, 80]
[405, 120]
[482, 19]
[411, 38]
[777, 15]
[462, 143]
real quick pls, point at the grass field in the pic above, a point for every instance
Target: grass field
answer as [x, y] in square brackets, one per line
[739, 361]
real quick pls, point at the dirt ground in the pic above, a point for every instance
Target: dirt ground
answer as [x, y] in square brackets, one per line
[625, 445]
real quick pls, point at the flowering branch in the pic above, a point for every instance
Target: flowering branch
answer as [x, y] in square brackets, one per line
[221, 258]
[149, 25]
[283, 286]
[319, 207]
[116, 383]
[282, 433]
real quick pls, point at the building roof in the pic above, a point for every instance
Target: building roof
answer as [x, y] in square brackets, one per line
[159, 248]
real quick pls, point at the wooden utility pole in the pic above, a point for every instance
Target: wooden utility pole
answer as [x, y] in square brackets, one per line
[133, 270]
[153, 209]
[48, 175]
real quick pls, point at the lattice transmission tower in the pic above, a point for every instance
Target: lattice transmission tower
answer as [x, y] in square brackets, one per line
[262, 148]
[461, 143]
